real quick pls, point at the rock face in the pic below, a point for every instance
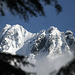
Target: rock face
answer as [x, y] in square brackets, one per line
[17, 40]
[70, 40]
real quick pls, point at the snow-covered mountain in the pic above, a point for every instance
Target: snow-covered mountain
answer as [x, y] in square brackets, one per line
[48, 49]
[17, 40]
[13, 37]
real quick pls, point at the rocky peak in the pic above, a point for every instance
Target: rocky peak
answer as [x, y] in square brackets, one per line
[13, 38]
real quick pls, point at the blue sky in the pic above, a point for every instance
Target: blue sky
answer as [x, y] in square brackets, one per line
[64, 21]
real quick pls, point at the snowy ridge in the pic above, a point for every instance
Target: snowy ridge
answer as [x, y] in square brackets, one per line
[13, 38]
[51, 42]
[70, 39]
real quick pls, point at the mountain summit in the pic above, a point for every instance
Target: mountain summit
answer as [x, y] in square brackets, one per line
[13, 37]
[51, 42]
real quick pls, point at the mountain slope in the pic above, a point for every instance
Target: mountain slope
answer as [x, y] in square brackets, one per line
[48, 49]
[70, 39]
[50, 42]
[13, 37]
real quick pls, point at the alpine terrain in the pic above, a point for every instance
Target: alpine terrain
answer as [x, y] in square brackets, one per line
[48, 49]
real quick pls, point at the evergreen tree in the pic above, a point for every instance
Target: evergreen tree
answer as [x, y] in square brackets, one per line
[27, 8]
[6, 68]
[69, 69]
